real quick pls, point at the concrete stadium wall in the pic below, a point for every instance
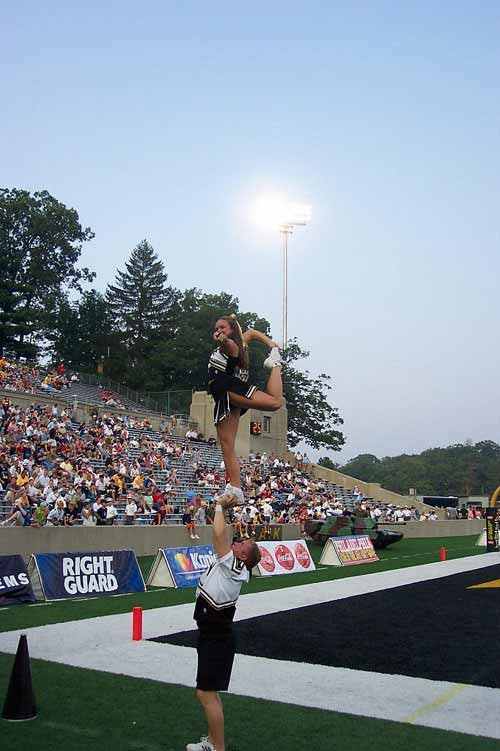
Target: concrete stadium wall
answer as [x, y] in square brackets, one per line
[147, 540]
[143, 540]
[452, 528]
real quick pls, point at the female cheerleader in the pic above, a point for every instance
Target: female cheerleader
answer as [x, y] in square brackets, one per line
[228, 384]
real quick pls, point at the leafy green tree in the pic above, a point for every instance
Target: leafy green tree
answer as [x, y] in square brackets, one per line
[83, 337]
[41, 242]
[310, 416]
[140, 303]
[457, 470]
[363, 466]
[325, 461]
[181, 356]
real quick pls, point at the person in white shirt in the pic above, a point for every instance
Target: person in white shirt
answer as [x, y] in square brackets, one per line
[88, 517]
[216, 597]
[130, 511]
[111, 513]
[267, 515]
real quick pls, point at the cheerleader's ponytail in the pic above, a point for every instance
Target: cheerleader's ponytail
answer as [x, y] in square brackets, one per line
[237, 336]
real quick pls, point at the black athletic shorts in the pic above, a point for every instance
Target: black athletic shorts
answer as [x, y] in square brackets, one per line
[216, 648]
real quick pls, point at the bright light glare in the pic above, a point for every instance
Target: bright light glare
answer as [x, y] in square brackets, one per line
[273, 211]
[269, 211]
[298, 213]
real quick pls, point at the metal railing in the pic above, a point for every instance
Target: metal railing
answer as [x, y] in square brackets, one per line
[173, 402]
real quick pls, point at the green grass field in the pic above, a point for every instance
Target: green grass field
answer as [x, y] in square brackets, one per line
[82, 709]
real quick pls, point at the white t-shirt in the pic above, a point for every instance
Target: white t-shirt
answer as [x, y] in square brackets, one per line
[220, 584]
[267, 509]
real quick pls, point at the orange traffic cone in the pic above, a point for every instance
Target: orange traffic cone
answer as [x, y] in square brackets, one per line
[20, 701]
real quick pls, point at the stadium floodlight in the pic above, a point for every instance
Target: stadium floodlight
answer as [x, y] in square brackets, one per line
[275, 211]
[295, 215]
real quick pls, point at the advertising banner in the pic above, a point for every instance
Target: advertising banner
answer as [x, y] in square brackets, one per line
[492, 529]
[15, 586]
[180, 567]
[290, 557]
[348, 551]
[262, 533]
[62, 576]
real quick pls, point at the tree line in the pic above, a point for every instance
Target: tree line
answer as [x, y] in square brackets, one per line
[463, 469]
[142, 331]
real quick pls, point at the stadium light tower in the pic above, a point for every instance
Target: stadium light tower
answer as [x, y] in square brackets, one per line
[273, 211]
[296, 215]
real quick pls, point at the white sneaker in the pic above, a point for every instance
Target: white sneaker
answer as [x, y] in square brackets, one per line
[237, 492]
[274, 359]
[197, 537]
[203, 745]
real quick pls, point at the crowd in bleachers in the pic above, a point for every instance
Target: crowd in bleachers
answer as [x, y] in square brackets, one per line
[18, 377]
[56, 472]
[110, 399]
[23, 377]
[116, 469]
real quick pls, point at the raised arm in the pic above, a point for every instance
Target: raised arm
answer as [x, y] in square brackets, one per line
[227, 345]
[220, 533]
[251, 335]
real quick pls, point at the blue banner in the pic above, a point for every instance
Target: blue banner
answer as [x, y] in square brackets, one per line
[187, 564]
[15, 586]
[68, 575]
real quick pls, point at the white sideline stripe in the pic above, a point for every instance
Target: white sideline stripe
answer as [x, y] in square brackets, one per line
[105, 644]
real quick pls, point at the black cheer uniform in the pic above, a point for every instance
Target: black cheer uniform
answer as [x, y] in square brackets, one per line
[224, 375]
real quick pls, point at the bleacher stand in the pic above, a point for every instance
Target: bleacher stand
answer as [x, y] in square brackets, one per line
[116, 461]
[47, 460]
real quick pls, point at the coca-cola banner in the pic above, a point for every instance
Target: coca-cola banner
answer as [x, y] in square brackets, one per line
[289, 557]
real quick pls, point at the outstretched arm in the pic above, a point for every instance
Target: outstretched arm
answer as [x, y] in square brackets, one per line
[220, 533]
[251, 335]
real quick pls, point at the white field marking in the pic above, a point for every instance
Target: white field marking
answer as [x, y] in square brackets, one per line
[105, 644]
[439, 701]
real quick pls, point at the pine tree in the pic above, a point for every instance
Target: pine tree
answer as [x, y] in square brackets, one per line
[140, 302]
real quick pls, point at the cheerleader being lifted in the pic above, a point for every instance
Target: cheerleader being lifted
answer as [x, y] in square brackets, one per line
[233, 394]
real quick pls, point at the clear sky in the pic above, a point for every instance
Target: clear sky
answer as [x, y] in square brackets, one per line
[165, 120]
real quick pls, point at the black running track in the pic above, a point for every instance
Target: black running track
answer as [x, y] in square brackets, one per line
[436, 629]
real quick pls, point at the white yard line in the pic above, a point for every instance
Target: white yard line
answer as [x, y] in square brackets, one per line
[105, 644]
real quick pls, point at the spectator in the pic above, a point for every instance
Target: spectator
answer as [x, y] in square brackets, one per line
[88, 515]
[130, 512]
[55, 518]
[111, 512]
[189, 523]
[101, 513]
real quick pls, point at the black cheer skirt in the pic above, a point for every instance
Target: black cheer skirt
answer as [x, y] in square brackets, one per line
[219, 387]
